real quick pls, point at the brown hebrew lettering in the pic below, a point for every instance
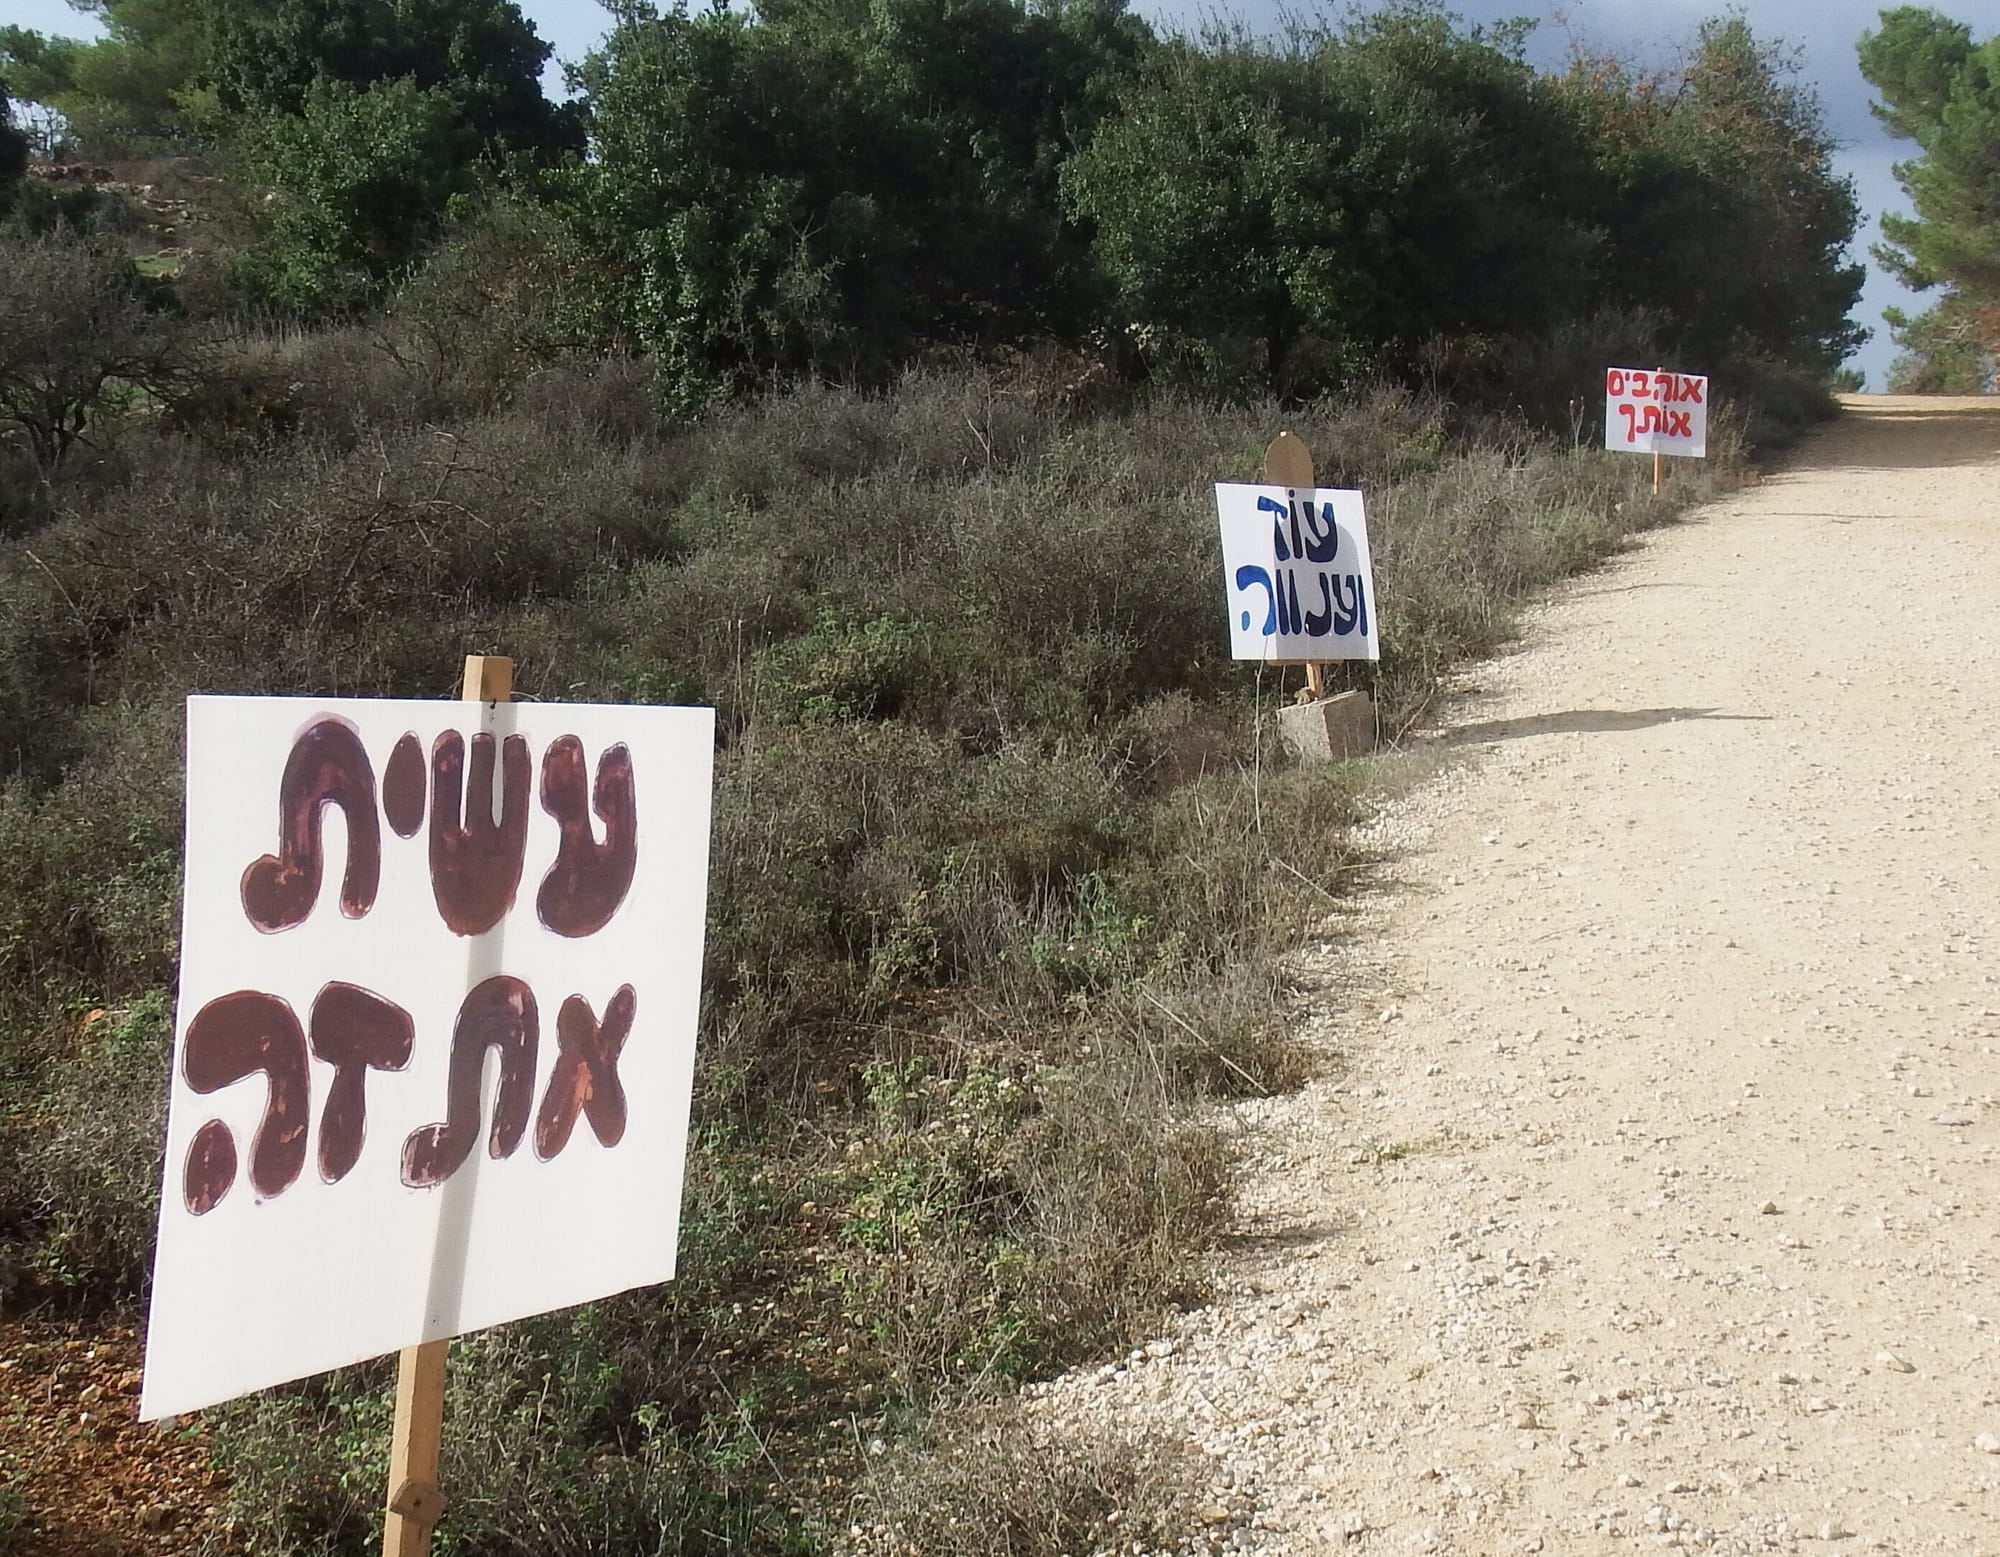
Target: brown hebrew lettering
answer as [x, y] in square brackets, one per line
[589, 879]
[498, 1014]
[355, 1031]
[328, 766]
[403, 782]
[233, 1037]
[210, 1167]
[476, 868]
[585, 1079]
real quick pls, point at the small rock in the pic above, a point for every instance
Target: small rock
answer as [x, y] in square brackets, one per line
[1159, 1349]
[1818, 1403]
[1213, 1514]
[1834, 1530]
[1893, 1363]
[1768, 1208]
[1986, 1443]
[1525, 1418]
[1627, 1479]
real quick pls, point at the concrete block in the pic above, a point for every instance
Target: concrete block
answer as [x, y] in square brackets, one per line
[1330, 730]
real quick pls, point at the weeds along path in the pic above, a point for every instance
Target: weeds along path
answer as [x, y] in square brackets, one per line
[1653, 1199]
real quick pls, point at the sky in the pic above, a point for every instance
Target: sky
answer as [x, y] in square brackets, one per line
[1649, 31]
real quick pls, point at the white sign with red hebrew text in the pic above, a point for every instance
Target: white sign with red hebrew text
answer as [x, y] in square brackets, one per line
[440, 966]
[1647, 412]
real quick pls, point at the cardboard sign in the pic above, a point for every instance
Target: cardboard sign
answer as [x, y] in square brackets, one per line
[1295, 563]
[1655, 413]
[440, 965]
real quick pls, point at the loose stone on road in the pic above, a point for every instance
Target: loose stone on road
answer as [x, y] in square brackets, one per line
[1662, 1210]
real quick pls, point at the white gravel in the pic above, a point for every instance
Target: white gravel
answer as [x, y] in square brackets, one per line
[1652, 1203]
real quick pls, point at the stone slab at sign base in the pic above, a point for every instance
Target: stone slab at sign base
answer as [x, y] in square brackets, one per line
[1329, 730]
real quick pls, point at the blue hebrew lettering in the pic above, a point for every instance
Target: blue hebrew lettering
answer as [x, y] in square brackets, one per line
[1321, 544]
[1350, 605]
[1270, 505]
[1248, 575]
[1319, 623]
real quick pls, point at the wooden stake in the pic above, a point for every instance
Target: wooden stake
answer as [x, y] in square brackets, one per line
[1658, 463]
[416, 1503]
[1289, 463]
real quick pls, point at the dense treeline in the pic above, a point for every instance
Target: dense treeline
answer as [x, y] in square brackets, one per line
[863, 372]
[831, 190]
[1941, 90]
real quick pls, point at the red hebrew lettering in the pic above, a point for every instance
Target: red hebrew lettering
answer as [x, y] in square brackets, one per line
[589, 879]
[476, 868]
[1680, 424]
[1663, 386]
[585, 1079]
[1640, 387]
[498, 1014]
[1631, 415]
[1614, 381]
[355, 1031]
[403, 787]
[328, 766]
[233, 1037]
[1653, 420]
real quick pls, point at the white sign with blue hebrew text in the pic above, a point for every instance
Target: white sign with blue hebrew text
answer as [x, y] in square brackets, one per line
[1295, 563]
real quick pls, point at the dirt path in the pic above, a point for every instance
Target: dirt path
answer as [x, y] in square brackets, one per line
[1657, 1203]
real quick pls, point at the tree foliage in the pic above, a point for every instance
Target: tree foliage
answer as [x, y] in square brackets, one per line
[361, 178]
[1941, 90]
[138, 87]
[824, 188]
[482, 57]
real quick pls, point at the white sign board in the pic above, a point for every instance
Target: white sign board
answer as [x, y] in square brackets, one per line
[1655, 413]
[440, 965]
[1295, 563]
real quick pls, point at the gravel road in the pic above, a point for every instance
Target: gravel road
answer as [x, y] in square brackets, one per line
[1653, 1200]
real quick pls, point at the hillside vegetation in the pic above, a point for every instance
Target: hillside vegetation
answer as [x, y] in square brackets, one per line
[867, 381]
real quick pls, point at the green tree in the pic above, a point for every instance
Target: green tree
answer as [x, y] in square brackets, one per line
[13, 151]
[135, 88]
[824, 188]
[483, 56]
[1941, 90]
[1948, 349]
[361, 179]
[1721, 208]
[1360, 192]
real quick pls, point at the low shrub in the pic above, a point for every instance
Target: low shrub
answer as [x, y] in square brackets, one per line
[1006, 863]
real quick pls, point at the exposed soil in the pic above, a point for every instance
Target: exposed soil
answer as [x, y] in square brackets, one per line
[94, 1482]
[1653, 1201]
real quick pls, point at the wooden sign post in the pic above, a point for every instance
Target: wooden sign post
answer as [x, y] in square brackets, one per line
[416, 1503]
[1659, 459]
[1289, 463]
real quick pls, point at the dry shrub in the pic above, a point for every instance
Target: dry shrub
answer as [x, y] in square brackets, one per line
[995, 1483]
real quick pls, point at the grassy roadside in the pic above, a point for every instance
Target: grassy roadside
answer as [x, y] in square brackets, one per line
[1004, 859]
